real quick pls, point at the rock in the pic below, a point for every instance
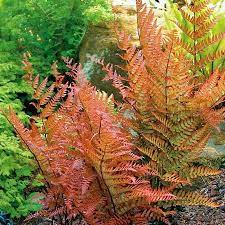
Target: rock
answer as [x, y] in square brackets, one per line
[211, 153]
[100, 42]
[222, 208]
[222, 192]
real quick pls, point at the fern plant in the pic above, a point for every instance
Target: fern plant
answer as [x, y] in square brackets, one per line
[15, 164]
[171, 116]
[85, 157]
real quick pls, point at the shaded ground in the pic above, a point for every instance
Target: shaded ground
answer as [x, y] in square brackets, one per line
[214, 188]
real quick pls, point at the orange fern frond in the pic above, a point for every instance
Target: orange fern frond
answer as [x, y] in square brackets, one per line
[202, 171]
[40, 88]
[131, 159]
[194, 198]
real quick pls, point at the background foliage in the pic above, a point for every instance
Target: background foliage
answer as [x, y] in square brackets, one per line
[174, 14]
[48, 29]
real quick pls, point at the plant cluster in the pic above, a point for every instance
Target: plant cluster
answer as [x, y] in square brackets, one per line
[86, 158]
[105, 162]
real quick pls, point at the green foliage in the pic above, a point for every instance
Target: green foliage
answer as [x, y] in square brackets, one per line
[15, 175]
[48, 30]
[14, 170]
[51, 29]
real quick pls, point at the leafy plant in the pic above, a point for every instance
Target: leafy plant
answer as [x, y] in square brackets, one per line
[87, 160]
[15, 177]
[50, 29]
[15, 170]
[171, 116]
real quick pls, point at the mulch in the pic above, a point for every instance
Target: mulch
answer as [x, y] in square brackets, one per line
[199, 215]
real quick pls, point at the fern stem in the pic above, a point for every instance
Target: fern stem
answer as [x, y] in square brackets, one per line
[35, 157]
[101, 163]
[195, 53]
[46, 139]
[108, 190]
[166, 75]
[98, 179]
